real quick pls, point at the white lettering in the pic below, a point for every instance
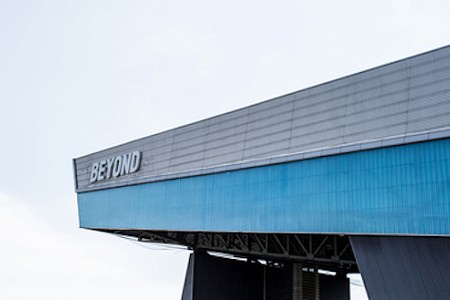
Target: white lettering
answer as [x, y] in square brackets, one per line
[135, 161]
[94, 173]
[109, 167]
[101, 170]
[117, 166]
[114, 167]
[125, 164]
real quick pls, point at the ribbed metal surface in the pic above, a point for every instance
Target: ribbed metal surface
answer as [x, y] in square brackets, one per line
[410, 268]
[396, 190]
[401, 98]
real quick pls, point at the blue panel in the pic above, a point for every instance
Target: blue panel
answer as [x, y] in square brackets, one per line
[402, 189]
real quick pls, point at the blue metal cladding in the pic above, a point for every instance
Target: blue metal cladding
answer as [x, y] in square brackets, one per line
[394, 190]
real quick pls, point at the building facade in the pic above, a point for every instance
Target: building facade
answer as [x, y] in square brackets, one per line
[350, 175]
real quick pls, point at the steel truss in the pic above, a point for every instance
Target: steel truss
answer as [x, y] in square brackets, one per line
[331, 252]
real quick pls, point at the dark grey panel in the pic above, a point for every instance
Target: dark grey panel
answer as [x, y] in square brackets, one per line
[395, 100]
[334, 288]
[404, 267]
[210, 277]
[224, 279]
[188, 287]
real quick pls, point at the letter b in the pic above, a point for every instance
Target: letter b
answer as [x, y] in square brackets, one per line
[94, 173]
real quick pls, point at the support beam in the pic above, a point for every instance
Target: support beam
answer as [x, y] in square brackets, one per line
[331, 252]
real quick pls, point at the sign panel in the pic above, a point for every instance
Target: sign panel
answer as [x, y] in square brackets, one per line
[116, 166]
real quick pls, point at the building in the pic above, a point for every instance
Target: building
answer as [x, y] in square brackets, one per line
[352, 175]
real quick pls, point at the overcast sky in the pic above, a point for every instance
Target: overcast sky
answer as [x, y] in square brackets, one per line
[79, 76]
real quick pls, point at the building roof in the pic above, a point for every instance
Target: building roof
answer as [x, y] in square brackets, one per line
[397, 103]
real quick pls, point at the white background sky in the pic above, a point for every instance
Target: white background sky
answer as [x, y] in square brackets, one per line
[80, 76]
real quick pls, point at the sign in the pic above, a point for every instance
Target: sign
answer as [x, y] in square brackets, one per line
[114, 167]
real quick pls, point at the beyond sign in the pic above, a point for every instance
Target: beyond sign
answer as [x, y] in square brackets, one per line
[115, 166]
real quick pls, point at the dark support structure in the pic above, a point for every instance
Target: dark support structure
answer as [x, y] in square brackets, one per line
[329, 252]
[404, 267]
[210, 277]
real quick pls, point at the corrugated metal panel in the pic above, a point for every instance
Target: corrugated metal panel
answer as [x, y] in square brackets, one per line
[396, 190]
[404, 267]
[400, 98]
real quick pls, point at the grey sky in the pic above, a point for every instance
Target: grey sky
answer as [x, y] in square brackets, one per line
[80, 76]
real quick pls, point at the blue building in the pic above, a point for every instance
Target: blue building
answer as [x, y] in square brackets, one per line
[352, 175]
